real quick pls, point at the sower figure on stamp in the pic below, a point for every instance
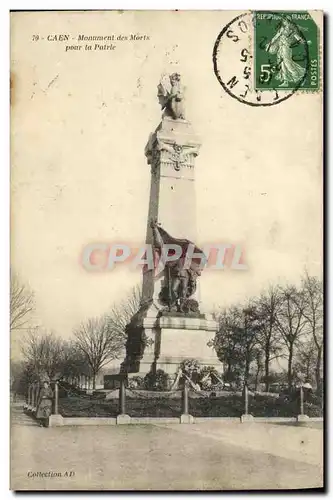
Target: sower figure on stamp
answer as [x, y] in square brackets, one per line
[289, 71]
[44, 403]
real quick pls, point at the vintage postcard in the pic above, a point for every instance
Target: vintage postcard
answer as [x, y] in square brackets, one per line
[167, 250]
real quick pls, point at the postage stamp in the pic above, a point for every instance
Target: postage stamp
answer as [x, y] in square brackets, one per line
[269, 55]
[286, 51]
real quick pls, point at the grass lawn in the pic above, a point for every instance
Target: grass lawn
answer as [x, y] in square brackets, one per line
[148, 404]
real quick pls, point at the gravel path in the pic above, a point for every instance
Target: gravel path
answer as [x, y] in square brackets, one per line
[207, 456]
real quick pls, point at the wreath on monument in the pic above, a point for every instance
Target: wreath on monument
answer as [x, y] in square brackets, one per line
[197, 377]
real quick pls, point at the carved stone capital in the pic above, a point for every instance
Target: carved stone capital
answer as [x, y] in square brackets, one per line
[173, 147]
[171, 152]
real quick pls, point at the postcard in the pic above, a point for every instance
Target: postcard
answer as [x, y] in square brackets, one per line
[166, 250]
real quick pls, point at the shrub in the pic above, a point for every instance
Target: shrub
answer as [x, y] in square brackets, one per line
[157, 381]
[313, 410]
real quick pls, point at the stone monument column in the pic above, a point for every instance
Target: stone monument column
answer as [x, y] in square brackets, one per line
[169, 327]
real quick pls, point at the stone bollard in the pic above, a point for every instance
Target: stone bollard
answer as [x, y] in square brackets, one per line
[122, 398]
[185, 400]
[56, 420]
[56, 398]
[122, 418]
[246, 417]
[185, 417]
[301, 417]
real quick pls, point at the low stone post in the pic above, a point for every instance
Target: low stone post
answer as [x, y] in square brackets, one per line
[301, 417]
[56, 398]
[246, 400]
[246, 417]
[185, 417]
[122, 418]
[56, 420]
[185, 399]
[122, 398]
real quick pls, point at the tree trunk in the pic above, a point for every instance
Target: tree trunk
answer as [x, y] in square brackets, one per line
[257, 378]
[94, 381]
[318, 366]
[267, 355]
[247, 371]
[290, 366]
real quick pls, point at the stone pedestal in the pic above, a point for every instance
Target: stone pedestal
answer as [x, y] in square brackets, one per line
[163, 341]
[177, 338]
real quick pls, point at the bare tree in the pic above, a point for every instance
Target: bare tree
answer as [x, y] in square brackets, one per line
[305, 362]
[258, 368]
[250, 335]
[267, 306]
[74, 363]
[291, 322]
[227, 344]
[121, 313]
[236, 341]
[98, 342]
[43, 352]
[21, 374]
[103, 339]
[21, 302]
[313, 313]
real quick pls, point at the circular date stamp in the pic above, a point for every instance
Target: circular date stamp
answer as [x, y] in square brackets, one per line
[263, 58]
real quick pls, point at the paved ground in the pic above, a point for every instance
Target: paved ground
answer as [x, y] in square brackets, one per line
[205, 456]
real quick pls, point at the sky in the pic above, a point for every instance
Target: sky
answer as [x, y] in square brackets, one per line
[80, 121]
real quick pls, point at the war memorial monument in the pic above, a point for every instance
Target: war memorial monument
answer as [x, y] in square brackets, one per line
[169, 326]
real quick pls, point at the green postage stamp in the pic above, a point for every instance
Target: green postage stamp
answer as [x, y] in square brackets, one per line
[286, 51]
[263, 58]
